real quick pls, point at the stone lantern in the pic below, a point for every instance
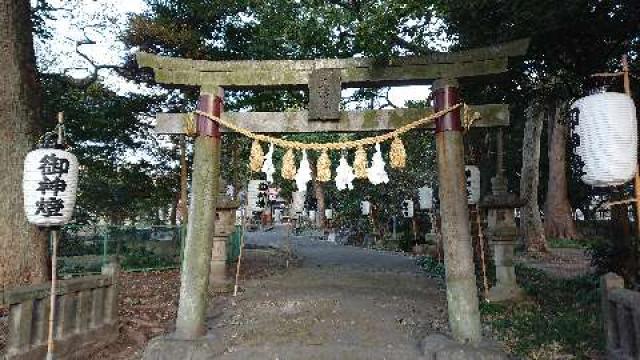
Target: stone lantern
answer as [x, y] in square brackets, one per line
[224, 226]
[502, 232]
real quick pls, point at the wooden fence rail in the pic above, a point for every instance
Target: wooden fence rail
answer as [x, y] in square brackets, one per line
[86, 316]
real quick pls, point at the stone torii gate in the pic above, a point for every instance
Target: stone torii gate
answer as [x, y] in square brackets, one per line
[324, 79]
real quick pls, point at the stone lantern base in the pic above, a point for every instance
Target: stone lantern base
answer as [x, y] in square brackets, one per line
[506, 288]
[224, 227]
[218, 273]
[499, 294]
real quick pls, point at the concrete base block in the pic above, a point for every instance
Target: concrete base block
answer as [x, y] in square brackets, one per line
[171, 348]
[218, 274]
[218, 269]
[440, 347]
[503, 294]
[73, 346]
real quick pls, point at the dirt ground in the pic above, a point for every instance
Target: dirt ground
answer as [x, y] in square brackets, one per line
[148, 302]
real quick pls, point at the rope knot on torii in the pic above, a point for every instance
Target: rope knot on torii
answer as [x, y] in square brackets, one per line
[397, 152]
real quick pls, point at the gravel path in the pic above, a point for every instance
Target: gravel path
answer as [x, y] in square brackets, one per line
[337, 303]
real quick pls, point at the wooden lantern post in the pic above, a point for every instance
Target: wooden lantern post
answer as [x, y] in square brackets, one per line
[626, 80]
[636, 182]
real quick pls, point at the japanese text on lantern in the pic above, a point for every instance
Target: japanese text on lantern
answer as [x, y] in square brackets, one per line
[52, 168]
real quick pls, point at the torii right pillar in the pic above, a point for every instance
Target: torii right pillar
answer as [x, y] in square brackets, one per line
[462, 293]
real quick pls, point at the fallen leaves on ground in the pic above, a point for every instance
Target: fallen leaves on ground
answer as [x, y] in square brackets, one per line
[148, 302]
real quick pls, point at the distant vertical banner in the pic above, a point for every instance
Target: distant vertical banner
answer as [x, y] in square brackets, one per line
[407, 208]
[472, 174]
[365, 207]
[425, 197]
[328, 214]
[257, 196]
[297, 203]
[273, 193]
[49, 186]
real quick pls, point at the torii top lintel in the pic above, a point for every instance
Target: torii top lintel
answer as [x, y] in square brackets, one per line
[353, 72]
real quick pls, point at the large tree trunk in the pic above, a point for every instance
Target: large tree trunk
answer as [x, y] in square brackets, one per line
[558, 217]
[23, 248]
[531, 228]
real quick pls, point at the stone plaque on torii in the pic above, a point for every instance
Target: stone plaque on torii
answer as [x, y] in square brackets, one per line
[324, 79]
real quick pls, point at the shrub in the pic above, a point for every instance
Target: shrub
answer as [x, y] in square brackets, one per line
[559, 315]
[432, 267]
[141, 258]
[615, 256]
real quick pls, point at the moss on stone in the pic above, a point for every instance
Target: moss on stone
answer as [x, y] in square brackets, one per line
[369, 120]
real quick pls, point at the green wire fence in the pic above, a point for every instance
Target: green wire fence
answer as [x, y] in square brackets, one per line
[84, 249]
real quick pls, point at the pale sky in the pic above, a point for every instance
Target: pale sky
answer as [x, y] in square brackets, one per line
[108, 19]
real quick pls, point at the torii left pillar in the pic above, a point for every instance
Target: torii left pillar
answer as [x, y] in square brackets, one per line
[462, 294]
[194, 278]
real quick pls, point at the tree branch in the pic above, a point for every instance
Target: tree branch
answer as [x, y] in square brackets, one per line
[354, 6]
[389, 103]
[93, 76]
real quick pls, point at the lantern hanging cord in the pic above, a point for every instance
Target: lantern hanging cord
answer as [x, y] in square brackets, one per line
[55, 137]
[350, 144]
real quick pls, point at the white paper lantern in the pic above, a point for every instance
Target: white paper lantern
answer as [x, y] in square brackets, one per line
[425, 197]
[239, 215]
[407, 208]
[257, 195]
[365, 207]
[328, 214]
[49, 184]
[607, 129]
[298, 201]
[472, 174]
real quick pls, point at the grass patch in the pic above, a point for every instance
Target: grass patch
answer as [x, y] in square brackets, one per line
[567, 243]
[559, 317]
[432, 267]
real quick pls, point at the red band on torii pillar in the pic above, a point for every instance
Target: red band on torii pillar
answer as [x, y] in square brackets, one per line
[213, 105]
[446, 94]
